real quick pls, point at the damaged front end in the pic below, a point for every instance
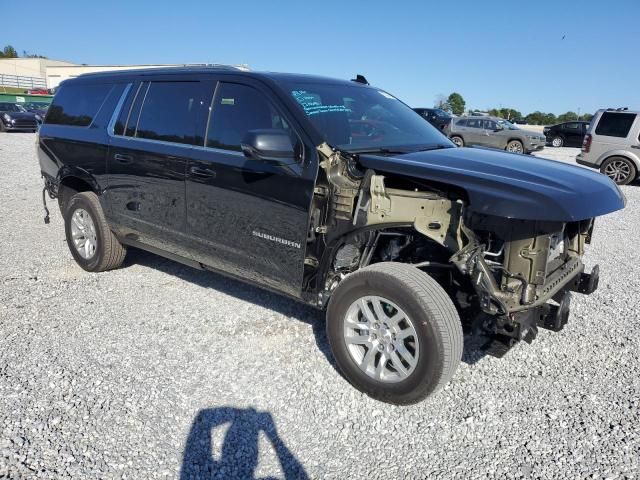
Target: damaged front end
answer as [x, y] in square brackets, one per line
[508, 277]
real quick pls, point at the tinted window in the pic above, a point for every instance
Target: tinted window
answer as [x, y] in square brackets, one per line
[572, 126]
[474, 123]
[134, 114]
[238, 109]
[615, 124]
[121, 122]
[77, 104]
[171, 112]
[461, 123]
[490, 125]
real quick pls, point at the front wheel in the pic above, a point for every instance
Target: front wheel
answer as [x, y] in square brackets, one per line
[92, 243]
[394, 332]
[458, 141]
[515, 146]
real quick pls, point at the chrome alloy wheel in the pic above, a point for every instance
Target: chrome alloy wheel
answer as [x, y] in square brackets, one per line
[83, 233]
[381, 339]
[515, 147]
[557, 142]
[617, 170]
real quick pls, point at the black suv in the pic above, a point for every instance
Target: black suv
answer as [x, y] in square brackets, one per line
[435, 116]
[334, 193]
[567, 134]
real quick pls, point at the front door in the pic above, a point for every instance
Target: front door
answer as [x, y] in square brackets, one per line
[249, 217]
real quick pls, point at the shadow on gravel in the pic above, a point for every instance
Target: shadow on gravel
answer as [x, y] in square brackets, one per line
[206, 455]
[241, 291]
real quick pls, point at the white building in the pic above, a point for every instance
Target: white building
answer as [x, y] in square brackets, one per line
[42, 72]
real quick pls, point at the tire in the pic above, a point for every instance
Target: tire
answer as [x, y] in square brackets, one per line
[435, 342]
[619, 169]
[557, 141]
[2, 127]
[515, 146]
[100, 250]
[458, 141]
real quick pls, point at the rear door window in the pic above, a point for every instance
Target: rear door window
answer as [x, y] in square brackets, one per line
[237, 109]
[615, 124]
[474, 123]
[172, 112]
[461, 123]
[77, 105]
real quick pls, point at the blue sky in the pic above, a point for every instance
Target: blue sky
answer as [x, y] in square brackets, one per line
[495, 53]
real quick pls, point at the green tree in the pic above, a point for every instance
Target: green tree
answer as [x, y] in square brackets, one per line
[567, 117]
[457, 103]
[540, 118]
[9, 52]
[586, 117]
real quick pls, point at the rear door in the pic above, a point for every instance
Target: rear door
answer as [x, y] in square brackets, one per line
[147, 161]
[573, 133]
[474, 132]
[249, 217]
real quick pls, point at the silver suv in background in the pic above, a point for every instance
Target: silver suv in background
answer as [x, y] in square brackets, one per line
[612, 145]
[495, 132]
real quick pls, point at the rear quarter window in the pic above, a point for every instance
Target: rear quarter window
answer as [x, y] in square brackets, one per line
[615, 124]
[77, 105]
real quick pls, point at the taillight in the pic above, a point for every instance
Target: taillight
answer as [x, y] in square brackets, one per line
[586, 143]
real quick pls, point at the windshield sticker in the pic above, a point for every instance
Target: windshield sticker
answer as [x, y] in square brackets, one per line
[228, 101]
[311, 105]
[386, 95]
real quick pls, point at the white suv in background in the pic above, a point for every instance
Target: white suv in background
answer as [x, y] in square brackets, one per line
[612, 145]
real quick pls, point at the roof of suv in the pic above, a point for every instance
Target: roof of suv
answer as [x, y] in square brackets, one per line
[278, 77]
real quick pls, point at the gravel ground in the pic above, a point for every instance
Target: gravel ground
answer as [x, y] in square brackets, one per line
[160, 371]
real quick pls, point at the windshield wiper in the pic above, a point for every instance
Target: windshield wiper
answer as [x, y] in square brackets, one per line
[380, 150]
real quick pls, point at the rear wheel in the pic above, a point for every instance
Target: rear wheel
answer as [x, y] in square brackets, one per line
[458, 141]
[515, 146]
[619, 169]
[557, 141]
[394, 332]
[92, 243]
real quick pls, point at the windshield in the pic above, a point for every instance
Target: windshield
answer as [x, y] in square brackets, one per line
[355, 117]
[507, 125]
[11, 107]
[441, 113]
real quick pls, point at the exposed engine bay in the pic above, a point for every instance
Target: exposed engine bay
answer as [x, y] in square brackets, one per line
[506, 276]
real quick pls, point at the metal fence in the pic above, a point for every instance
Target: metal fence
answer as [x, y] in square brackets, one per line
[22, 82]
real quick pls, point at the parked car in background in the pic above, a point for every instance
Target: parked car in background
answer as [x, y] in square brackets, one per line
[15, 117]
[612, 145]
[494, 132]
[567, 134]
[436, 117]
[39, 108]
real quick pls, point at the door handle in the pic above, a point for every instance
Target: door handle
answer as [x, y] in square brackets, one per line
[202, 172]
[635, 146]
[121, 158]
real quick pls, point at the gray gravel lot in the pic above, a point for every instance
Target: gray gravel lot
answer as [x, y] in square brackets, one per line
[160, 371]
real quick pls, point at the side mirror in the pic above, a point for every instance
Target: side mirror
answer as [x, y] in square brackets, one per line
[498, 128]
[271, 145]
